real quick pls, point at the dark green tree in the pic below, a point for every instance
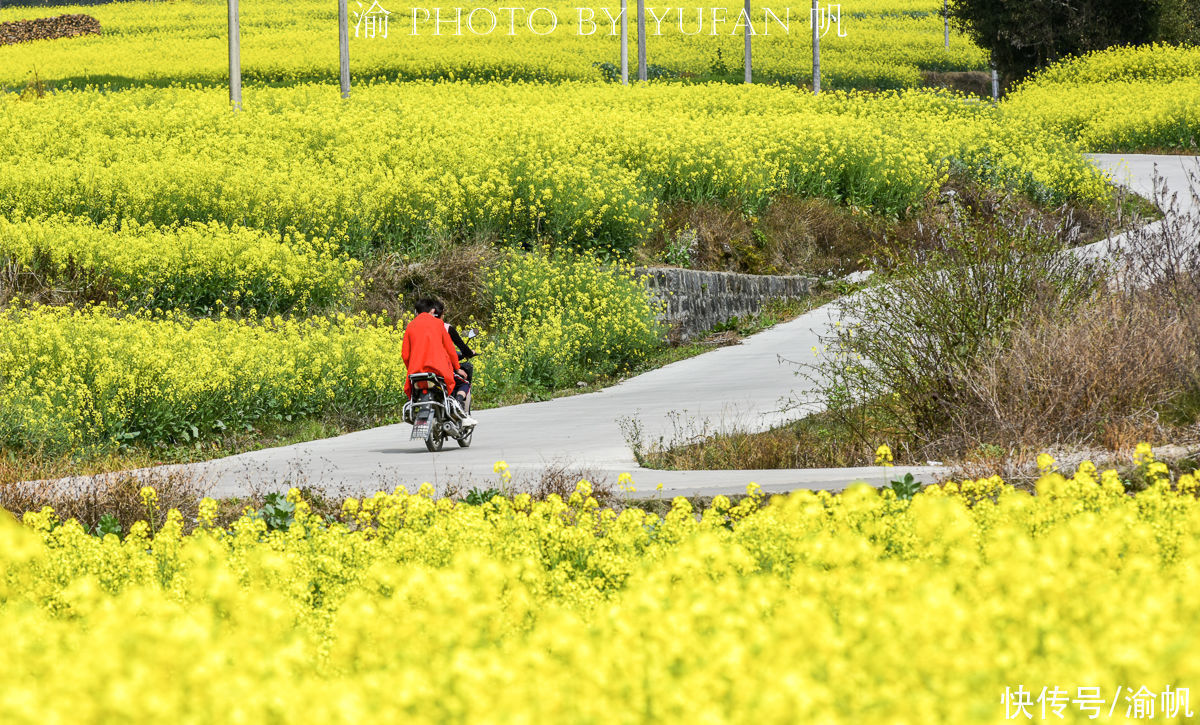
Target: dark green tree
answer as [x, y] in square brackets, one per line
[1180, 21]
[1024, 35]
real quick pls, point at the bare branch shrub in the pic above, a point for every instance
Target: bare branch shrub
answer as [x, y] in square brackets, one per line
[87, 498]
[1165, 257]
[561, 477]
[906, 345]
[1090, 378]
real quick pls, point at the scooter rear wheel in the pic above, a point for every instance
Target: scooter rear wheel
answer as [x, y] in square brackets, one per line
[435, 437]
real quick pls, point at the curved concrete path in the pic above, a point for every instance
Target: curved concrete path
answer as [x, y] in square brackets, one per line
[743, 385]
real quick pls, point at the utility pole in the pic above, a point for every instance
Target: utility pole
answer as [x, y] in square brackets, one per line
[995, 85]
[624, 42]
[816, 25]
[946, 21]
[748, 33]
[235, 57]
[344, 47]
[641, 22]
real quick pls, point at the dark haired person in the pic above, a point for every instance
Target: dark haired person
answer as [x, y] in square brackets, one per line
[465, 353]
[427, 348]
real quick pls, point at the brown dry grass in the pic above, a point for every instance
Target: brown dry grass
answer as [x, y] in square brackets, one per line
[795, 235]
[561, 477]
[1068, 225]
[791, 235]
[818, 441]
[974, 82]
[1095, 378]
[86, 499]
[454, 273]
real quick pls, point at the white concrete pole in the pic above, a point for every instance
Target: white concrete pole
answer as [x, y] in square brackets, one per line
[344, 47]
[624, 42]
[995, 85]
[235, 57]
[749, 75]
[816, 28]
[641, 23]
[946, 21]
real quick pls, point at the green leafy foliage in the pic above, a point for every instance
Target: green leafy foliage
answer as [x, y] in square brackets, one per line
[277, 512]
[108, 524]
[1024, 36]
[905, 488]
[478, 497]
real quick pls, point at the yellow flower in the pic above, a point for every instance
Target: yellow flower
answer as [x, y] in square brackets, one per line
[883, 455]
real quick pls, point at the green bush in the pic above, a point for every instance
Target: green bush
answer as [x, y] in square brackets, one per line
[1180, 21]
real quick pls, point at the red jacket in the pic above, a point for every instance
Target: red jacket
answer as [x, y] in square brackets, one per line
[427, 348]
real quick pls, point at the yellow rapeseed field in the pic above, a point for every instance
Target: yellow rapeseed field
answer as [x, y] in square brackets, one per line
[580, 163]
[74, 380]
[854, 608]
[188, 268]
[562, 318]
[1120, 99]
[883, 43]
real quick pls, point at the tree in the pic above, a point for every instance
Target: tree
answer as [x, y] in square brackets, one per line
[1180, 21]
[1024, 35]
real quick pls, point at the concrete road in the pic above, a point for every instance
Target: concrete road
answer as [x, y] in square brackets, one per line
[1136, 173]
[745, 386]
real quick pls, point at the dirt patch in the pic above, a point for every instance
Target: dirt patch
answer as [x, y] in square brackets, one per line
[62, 26]
[972, 82]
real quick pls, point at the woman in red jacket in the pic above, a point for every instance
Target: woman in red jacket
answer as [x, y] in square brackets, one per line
[427, 348]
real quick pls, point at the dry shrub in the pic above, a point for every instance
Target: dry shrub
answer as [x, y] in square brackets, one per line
[973, 82]
[1165, 256]
[454, 273]
[790, 235]
[561, 478]
[87, 498]
[1096, 377]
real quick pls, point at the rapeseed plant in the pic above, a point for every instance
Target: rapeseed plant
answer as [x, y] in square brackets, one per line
[856, 608]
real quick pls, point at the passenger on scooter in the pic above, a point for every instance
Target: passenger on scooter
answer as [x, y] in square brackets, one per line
[465, 353]
[427, 348]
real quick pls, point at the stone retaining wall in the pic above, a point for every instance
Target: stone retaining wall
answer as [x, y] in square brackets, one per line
[698, 301]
